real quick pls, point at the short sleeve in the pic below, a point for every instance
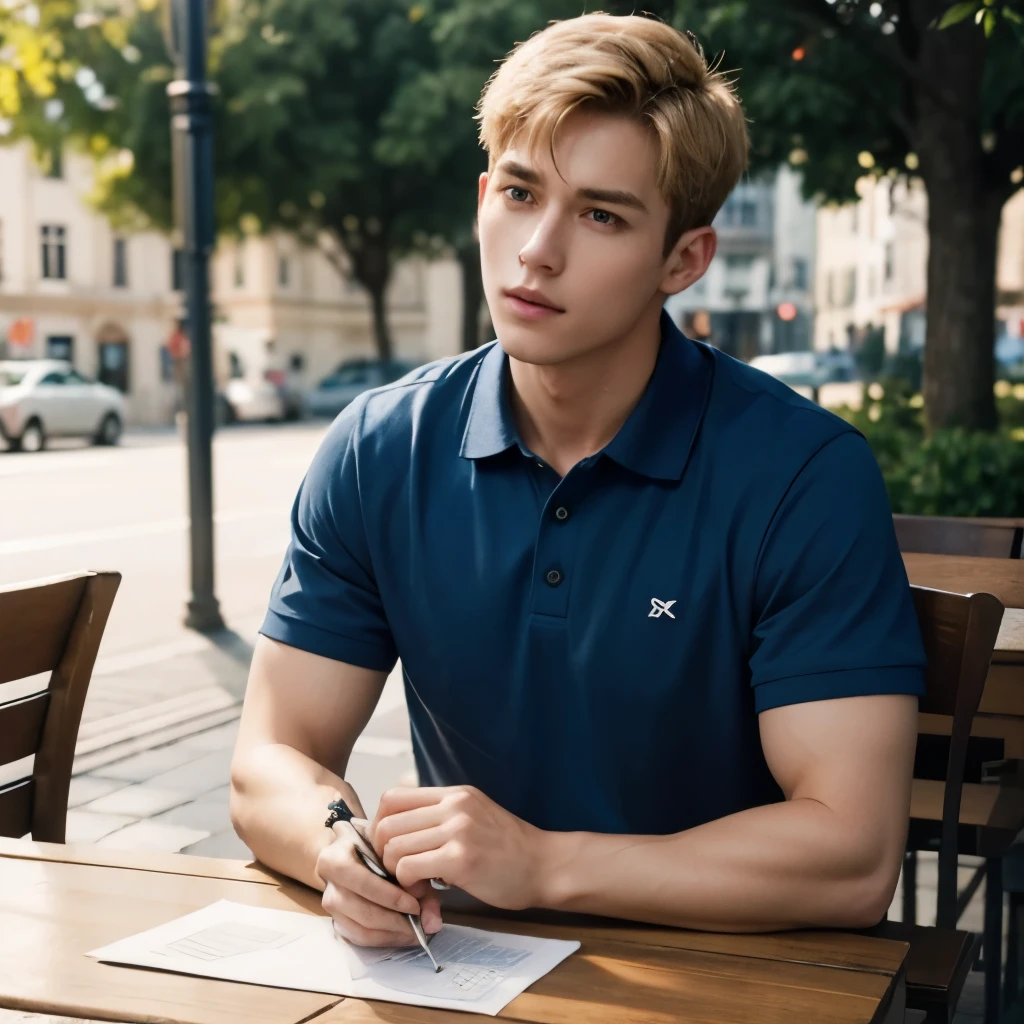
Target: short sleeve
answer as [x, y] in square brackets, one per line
[325, 599]
[833, 612]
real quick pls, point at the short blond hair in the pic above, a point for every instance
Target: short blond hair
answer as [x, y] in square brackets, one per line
[637, 67]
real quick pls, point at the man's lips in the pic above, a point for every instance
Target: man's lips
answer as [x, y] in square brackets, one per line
[530, 304]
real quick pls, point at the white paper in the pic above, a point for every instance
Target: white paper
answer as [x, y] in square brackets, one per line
[483, 971]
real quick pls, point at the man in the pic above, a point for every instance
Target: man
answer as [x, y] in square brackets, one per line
[659, 650]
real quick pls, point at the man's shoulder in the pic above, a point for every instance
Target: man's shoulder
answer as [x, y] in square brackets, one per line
[421, 400]
[759, 413]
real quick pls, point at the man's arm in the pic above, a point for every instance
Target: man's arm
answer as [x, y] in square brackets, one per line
[829, 855]
[301, 717]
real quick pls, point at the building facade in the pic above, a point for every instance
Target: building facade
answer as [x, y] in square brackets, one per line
[872, 268]
[757, 295]
[72, 287]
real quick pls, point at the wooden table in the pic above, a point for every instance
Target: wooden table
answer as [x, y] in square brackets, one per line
[1011, 635]
[58, 902]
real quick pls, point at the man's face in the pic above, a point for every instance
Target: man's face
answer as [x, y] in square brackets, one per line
[586, 239]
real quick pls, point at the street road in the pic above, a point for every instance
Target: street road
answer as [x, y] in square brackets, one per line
[126, 508]
[159, 721]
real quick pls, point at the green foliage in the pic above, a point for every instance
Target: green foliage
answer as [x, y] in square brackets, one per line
[825, 85]
[951, 472]
[960, 473]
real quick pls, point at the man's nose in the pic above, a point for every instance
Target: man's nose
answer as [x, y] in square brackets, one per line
[545, 248]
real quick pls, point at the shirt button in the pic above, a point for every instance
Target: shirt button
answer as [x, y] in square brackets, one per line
[561, 513]
[553, 577]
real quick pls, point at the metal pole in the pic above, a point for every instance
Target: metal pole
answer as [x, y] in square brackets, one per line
[192, 137]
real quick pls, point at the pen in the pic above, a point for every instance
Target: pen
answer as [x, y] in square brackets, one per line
[340, 812]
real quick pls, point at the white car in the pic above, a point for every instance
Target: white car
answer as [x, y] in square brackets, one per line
[252, 400]
[44, 398]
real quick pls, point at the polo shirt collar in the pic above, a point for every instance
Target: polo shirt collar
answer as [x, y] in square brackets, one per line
[655, 440]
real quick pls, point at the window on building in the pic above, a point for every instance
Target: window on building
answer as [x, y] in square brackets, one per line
[284, 270]
[738, 261]
[800, 274]
[748, 213]
[850, 286]
[53, 239]
[120, 263]
[177, 270]
[60, 346]
[53, 162]
[239, 267]
[890, 261]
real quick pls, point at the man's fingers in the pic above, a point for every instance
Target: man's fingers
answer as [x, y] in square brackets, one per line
[416, 867]
[414, 842]
[430, 914]
[406, 798]
[404, 822]
[344, 869]
[359, 919]
[381, 892]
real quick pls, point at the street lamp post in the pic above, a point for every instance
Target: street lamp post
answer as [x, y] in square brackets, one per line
[192, 140]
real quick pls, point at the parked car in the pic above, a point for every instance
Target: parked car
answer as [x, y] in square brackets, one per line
[349, 381]
[249, 399]
[808, 370]
[44, 398]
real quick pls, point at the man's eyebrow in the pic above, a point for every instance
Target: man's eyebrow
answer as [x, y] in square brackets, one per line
[614, 196]
[520, 171]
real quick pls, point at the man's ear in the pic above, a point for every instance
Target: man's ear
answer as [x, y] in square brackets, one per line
[689, 259]
[481, 189]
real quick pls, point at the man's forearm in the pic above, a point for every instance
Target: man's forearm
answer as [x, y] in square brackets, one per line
[279, 801]
[784, 865]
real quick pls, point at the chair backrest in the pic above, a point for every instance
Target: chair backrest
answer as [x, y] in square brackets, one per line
[50, 626]
[959, 633]
[949, 535]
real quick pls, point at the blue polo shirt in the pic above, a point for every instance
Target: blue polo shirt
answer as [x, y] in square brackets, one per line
[592, 651]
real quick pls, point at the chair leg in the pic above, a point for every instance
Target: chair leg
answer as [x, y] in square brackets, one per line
[910, 887]
[993, 939]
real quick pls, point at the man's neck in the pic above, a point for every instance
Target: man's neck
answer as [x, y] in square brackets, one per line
[569, 411]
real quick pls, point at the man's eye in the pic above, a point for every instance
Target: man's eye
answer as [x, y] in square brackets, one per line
[604, 217]
[517, 194]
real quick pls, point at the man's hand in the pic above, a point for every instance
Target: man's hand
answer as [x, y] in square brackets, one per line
[367, 910]
[463, 837]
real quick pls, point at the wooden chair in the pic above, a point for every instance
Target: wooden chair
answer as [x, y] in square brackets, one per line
[972, 555]
[959, 633]
[50, 626]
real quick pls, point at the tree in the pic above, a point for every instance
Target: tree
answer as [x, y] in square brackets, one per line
[849, 89]
[334, 120]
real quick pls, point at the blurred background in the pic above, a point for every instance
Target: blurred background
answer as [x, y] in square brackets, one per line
[873, 258]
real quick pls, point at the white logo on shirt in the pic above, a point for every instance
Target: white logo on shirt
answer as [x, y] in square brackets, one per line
[659, 608]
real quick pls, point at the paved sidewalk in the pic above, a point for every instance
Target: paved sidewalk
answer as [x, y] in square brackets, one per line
[152, 762]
